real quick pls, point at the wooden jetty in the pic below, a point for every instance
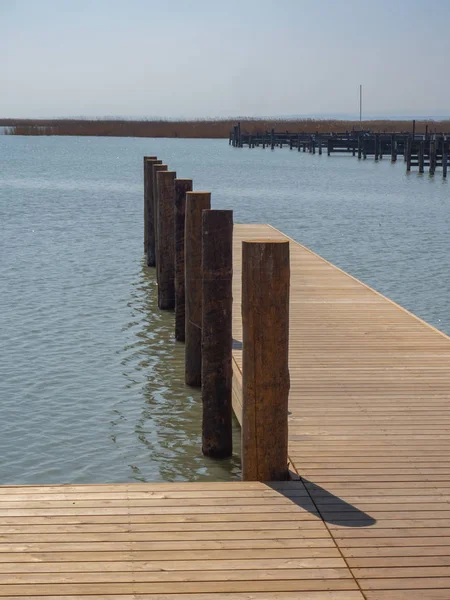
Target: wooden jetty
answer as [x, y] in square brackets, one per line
[418, 150]
[365, 514]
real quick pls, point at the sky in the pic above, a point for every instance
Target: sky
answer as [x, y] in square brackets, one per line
[224, 58]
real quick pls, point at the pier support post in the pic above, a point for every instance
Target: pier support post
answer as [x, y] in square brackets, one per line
[359, 147]
[408, 154]
[444, 159]
[151, 213]
[265, 377]
[272, 139]
[165, 239]
[421, 156]
[181, 187]
[364, 148]
[320, 147]
[393, 148]
[148, 160]
[196, 202]
[432, 156]
[217, 270]
[377, 146]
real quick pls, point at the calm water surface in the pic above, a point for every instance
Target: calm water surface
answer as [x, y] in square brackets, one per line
[91, 380]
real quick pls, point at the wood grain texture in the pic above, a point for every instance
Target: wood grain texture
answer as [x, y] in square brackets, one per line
[153, 211]
[181, 187]
[196, 203]
[369, 424]
[165, 239]
[265, 373]
[217, 303]
[53, 543]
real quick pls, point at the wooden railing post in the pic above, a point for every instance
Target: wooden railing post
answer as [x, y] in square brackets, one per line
[151, 252]
[217, 271]
[181, 187]
[196, 202]
[265, 377]
[165, 239]
[148, 161]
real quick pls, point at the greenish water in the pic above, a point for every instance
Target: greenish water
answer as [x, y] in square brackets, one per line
[91, 380]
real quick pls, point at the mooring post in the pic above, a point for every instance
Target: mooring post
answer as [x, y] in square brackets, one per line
[393, 148]
[217, 271]
[265, 374]
[181, 187]
[272, 139]
[408, 154]
[320, 147]
[432, 156]
[359, 147]
[444, 159]
[329, 146]
[364, 148]
[377, 146]
[147, 160]
[151, 212]
[196, 202]
[421, 156]
[165, 239]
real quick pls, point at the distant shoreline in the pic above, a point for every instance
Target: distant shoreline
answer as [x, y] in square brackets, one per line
[219, 129]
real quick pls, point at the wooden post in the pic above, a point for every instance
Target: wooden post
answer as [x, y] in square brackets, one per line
[377, 146]
[272, 139]
[444, 160]
[217, 338]
[151, 248]
[432, 157]
[147, 171]
[196, 202]
[265, 377]
[364, 148]
[414, 130]
[329, 146]
[408, 154]
[421, 156]
[181, 187]
[320, 147]
[359, 147]
[393, 148]
[165, 239]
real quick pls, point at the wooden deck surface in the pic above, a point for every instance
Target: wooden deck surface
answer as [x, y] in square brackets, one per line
[370, 517]
[369, 430]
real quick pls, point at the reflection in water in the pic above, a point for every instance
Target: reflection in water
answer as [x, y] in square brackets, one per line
[170, 422]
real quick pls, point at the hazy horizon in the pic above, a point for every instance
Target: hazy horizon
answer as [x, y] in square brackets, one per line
[254, 58]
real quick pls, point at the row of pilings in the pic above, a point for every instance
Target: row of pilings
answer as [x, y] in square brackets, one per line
[191, 247]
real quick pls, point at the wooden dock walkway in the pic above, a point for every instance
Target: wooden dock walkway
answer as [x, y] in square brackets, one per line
[369, 424]
[368, 517]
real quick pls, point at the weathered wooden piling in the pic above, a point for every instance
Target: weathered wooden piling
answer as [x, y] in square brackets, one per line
[148, 160]
[196, 202]
[272, 139]
[265, 381]
[377, 147]
[217, 301]
[408, 154]
[421, 156]
[444, 161]
[165, 239]
[359, 147]
[152, 215]
[432, 157]
[393, 148]
[181, 187]
[148, 211]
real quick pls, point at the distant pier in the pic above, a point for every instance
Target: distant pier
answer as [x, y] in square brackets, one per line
[422, 150]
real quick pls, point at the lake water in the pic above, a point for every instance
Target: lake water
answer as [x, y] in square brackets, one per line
[91, 380]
